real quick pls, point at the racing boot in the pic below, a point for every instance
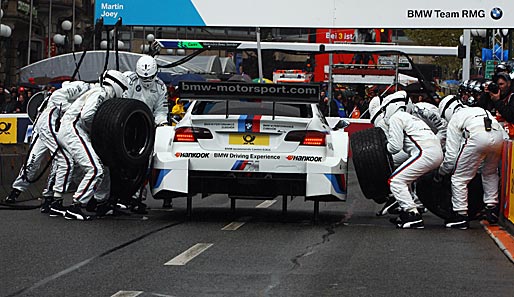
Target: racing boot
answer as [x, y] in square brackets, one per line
[57, 209]
[92, 205]
[167, 203]
[105, 209]
[491, 213]
[457, 221]
[409, 220]
[390, 207]
[138, 207]
[74, 212]
[45, 206]
[15, 193]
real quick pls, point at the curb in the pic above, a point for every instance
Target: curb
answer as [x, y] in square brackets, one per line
[502, 238]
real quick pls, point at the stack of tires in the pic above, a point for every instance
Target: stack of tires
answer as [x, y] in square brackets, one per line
[373, 167]
[123, 135]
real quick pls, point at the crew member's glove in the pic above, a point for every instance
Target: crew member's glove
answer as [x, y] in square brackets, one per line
[155, 48]
[438, 176]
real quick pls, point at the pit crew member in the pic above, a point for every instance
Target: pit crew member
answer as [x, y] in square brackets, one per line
[44, 138]
[144, 85]
[76, 142]
[411, 134]
[474, 140]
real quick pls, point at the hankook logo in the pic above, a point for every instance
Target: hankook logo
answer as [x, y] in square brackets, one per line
[304, 158]
[192, 155]
[496, 13]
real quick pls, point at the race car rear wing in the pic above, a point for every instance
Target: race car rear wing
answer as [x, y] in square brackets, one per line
[237, 91]
[315, 48]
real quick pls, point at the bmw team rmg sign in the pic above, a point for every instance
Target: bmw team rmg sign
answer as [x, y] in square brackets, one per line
[463, 14]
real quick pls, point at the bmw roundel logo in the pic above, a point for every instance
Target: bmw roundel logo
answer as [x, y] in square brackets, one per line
[496, 13]
[138, 88]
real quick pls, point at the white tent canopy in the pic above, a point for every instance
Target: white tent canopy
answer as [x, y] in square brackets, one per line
[93, 65]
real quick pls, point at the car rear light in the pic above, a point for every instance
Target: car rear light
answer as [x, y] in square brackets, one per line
[191, 134]
[312, 138]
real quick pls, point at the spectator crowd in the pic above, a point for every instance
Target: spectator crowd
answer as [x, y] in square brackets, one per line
[14, 99]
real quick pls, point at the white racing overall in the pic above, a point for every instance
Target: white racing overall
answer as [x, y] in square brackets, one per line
[409, 133]
[469, 146]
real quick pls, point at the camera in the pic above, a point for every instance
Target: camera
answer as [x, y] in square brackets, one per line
[493, 88]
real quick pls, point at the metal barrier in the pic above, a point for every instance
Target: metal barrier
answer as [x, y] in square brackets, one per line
[15, 129]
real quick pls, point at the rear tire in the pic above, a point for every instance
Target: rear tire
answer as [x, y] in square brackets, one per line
[372, 162]
[436, 197]
[123, 132]
[123, 136]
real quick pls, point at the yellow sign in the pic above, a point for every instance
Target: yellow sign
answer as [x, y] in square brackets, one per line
[248, 139]
[8, 130]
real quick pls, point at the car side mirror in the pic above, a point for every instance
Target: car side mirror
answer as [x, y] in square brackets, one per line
[341, 125]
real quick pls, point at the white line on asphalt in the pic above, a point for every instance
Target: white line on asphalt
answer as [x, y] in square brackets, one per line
[266, 204]
[233, 226]
[188, 255]
[127, 294]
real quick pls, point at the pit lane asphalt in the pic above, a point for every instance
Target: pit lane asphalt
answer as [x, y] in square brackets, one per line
[350, 252]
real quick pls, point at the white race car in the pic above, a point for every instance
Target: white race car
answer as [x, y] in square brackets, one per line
[251, 141]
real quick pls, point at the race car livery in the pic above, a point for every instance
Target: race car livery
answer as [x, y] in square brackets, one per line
[251, 140]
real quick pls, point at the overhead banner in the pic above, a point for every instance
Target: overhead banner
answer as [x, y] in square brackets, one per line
[464, 14]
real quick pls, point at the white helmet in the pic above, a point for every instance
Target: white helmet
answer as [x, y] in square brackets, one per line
[146, 69]
[374, 109]
[117, 81]
[448, 106]
[393, 103]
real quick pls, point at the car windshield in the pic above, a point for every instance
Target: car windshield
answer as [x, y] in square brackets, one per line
[246, 107]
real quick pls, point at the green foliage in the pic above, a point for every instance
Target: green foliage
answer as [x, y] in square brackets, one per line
[439, 37]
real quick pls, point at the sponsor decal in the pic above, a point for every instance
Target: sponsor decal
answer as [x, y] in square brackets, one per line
[301, 93]
[248, 149]
[496, 13]
[275, 127]
[249, 123]
[304, 158]
[221, 125]
[246, 156]
[443, 14]
[192, 155]
[8, 130]
[245, 165]
[248, 138]
[338, 182]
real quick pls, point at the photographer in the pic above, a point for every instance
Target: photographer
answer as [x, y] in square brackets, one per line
[501, 92]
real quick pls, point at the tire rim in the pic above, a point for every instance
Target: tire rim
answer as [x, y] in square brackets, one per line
[135, 139]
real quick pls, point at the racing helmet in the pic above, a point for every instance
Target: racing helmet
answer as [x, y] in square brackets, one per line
[472, 101]
[116, 80]
[394, 103]
[374, 109]
[502, 67]
[448, 106]
[146, 69]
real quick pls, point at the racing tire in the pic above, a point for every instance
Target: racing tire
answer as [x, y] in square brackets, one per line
[125, 181]
[33, 105]
[436, 197]
[123, 132]
[373, 164]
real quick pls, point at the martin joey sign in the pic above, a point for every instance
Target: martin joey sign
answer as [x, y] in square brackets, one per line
[461, 14]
